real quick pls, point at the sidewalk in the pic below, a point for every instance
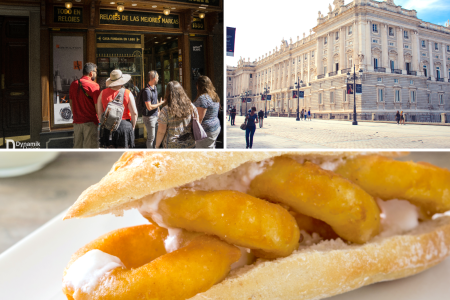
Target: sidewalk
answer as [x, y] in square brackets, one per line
[280, 133]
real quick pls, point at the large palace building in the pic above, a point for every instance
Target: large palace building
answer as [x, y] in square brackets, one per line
[405, 65]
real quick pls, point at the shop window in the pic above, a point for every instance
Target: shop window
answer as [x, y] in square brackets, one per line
[350, 30]
[375, 28]
[391, 31]
[405, 34]
[413, 97]
[397, 95]
[380, 95]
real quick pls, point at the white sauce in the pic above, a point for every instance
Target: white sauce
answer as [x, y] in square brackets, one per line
[172, 242]
[87, 271]
[398, 215]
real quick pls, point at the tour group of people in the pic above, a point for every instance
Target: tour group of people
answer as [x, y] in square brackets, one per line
[168, 121]
[252, 118]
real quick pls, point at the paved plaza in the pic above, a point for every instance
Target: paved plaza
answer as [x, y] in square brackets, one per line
[281, 133]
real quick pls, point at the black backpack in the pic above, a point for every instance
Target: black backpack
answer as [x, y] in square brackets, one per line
[140, 102]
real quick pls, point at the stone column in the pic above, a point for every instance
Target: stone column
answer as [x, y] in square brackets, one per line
[319, 56]
[362, 43]
[355, 45]
[296, 69]
[330, 50]
[308, 66]
[444, 57]
[368, 53]
[301, 63]
[342, 37]
[431, 69]
[384, 48]
[415, 61]
[401, 57]
[289, 73]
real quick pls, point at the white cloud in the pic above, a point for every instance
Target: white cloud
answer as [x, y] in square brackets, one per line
[425, 4]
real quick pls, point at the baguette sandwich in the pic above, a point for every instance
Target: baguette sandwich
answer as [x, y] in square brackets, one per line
[260, 225]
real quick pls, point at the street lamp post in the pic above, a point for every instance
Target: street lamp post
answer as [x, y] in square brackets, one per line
[298, 84]
[244, 97]
[354, 78]
[247, 93]
[266, 91]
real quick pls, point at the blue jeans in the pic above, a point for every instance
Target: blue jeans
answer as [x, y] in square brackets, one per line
[249, 133]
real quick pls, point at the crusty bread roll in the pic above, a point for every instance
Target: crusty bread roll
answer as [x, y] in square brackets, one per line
[315, 272]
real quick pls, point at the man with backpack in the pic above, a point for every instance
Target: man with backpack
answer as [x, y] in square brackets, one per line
[83, 94]
[147, 105]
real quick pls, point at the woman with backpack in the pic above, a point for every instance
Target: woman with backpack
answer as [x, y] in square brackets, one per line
[123, 136]
[208, 104]
[175, 119]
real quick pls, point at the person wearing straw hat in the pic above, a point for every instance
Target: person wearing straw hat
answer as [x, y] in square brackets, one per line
[123, 137]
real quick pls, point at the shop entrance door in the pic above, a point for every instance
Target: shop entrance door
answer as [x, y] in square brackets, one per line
[14, 89]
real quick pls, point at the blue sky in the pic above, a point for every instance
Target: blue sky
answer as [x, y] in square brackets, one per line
[433, 11]
[260, 25]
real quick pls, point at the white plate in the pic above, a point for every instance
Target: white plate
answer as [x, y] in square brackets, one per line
[32, 269]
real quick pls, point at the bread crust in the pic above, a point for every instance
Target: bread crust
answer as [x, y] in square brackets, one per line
[329, 269]
[138, 174]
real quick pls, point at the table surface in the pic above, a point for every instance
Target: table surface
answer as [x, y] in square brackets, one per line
[29, 201]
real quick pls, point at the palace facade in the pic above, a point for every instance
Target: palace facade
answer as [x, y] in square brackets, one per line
[405, 63]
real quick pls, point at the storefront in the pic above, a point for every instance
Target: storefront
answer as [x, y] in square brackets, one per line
[180, 39]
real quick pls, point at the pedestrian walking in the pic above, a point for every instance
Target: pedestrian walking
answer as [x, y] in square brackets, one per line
[309, 114]
[233, 115]
[301, 114]
[175, 119]
[83, 95]
[305, 114]
[251, 119]
[150, 113]
[208, 104]
[261, 118]
[397, 117]
[402, 118]
[123, 137]
[229, 114]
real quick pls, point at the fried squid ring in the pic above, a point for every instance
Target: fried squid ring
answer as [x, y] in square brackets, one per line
[193, 269]
[235, 217]
[306, 188]
[422, 184]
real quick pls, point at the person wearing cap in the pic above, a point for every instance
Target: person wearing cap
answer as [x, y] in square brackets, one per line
[83, 96]
[123, 137]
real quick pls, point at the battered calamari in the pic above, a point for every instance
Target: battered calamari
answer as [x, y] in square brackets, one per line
[306, 188]
[422, 184]
[235, 217]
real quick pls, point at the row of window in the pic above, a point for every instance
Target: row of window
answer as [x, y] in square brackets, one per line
[412, 96]
[336, 35]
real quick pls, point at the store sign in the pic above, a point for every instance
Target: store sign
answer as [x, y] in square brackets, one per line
[198, 24]
[200, 2]
[119, 39]
[294, 94]
[64, 15]
[269, 97]
[197, 54]
[119, 52]
[137, 18]
[301, 94]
